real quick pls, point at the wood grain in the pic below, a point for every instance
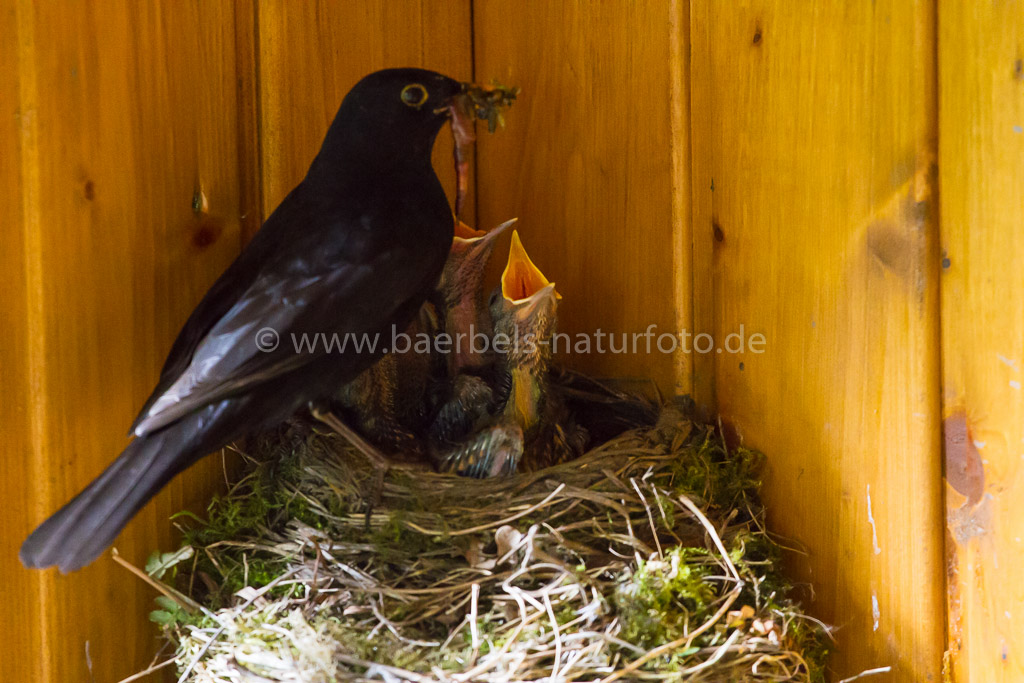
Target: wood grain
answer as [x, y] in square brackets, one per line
[981, 162]
[21, 591]
[702, 190]
[312, 53]
[594, 162]
[125, 117]
[819, 224]
[693, 165]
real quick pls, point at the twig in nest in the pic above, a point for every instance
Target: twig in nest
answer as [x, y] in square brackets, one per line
[180, 599]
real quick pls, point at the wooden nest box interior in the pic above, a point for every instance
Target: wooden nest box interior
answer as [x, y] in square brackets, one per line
[843, 180]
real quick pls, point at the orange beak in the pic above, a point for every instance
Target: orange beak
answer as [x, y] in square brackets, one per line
[469, 240]
[464, 232]
[522, 280]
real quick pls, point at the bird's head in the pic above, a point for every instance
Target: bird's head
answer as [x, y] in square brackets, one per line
[461, 289]
[393, 115]
[464, 269]
[524, 308]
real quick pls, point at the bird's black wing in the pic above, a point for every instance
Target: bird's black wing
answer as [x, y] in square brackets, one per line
[218, 300]
[340, 292]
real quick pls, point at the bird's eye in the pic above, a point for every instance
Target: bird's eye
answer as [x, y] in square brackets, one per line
[414, 95]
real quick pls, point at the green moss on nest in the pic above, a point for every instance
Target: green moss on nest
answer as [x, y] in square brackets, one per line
[589, 568]
[662, 597]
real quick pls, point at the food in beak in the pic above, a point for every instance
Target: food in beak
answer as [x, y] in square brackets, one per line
[474, 102]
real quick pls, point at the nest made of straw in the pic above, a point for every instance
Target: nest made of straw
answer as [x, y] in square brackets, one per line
[646, 559]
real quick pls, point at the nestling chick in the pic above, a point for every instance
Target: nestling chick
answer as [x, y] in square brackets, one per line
[465, 396]
[462, 297]
[385, 404]
[531, 428]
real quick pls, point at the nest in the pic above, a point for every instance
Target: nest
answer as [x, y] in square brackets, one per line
[646, 559]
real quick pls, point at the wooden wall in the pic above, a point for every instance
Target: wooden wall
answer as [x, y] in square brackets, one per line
[593, 164]
[981, 236]
[823, 215]
[116, 117]
[846, 179]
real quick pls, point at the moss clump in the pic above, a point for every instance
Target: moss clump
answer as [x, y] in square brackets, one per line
[663, 596]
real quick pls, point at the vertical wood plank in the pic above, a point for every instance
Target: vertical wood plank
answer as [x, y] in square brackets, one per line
[822, 235]
[594, 161]
[247, 85]
[702, 186]
[126, 116]
[20, 591]
[312, 53]
[981, 162]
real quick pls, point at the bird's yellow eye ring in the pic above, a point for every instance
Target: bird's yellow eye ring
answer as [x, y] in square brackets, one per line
[414, 95]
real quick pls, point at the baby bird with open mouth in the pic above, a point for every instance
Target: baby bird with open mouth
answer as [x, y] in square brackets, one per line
[526, 426]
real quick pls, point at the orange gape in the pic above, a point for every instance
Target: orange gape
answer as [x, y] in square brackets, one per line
[465, 232]
[521, 279]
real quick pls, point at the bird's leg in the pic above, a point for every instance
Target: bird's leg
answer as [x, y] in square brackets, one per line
[379, 460]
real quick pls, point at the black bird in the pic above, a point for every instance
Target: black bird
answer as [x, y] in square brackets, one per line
[354, 249]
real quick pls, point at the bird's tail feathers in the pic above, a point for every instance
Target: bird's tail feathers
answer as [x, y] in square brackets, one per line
[76, 534]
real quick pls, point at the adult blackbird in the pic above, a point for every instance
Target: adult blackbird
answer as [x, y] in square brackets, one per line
[354, 250]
